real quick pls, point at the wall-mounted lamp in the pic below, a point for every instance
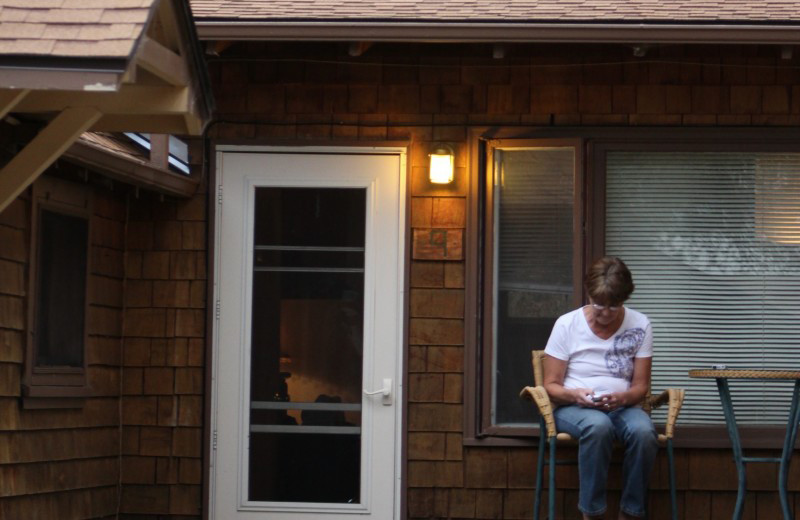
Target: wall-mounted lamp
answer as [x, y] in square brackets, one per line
[442, 164]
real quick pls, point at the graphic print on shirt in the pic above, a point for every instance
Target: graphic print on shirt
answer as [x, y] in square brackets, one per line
[619, 359]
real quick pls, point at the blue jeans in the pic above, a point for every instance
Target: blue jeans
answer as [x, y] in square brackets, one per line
[596, 431]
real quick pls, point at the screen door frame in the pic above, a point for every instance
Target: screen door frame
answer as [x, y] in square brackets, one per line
[299, 180]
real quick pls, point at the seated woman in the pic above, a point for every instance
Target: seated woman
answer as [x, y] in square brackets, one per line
[597, 370]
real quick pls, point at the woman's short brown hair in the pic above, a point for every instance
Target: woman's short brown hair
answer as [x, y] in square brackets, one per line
[609, 281]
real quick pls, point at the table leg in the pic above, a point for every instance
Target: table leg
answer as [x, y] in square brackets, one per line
[788, 448]
[733, 433]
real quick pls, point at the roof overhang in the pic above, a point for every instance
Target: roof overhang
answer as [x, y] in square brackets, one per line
[136, 171]
[458, 32]
[161, 87]
[44, 74]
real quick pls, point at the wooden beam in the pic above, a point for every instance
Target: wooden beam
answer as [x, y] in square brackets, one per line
[159, 60]
[9, 99]
[159, 150]
[164, 124]
[130, 99]
[194, 124]
[129, 76]
[45, 148]
[170, 25]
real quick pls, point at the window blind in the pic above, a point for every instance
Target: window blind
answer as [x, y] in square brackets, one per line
[534, 204]
[533, 257]
[713, 241]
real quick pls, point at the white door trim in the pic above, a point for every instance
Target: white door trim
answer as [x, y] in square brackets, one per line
[401, 153]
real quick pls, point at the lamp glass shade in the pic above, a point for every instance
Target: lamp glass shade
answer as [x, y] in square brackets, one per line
[441, 170]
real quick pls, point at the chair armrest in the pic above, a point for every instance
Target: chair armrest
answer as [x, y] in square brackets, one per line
[673, 396]
[538, 395]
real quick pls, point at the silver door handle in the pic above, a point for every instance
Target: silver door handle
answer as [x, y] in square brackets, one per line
[386, 392]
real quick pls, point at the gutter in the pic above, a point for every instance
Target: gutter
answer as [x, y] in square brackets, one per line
[59, 79]
[61, 73]
[200, 79]
[460, 32]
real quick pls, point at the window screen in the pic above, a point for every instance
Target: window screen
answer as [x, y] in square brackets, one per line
[61, 289]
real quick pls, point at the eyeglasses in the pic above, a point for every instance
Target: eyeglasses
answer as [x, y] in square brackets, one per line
[612, 308]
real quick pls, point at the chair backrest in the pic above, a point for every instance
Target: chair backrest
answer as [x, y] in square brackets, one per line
[537, 357]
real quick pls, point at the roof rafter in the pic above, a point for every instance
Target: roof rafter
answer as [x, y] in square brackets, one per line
[164, 63]
[9, 99]
[167, 124]
[38, 154]
[129, 99]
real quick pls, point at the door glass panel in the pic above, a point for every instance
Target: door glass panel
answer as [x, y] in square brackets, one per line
[307, 344]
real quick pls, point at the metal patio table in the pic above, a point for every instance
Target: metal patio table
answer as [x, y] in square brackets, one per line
[722, 376]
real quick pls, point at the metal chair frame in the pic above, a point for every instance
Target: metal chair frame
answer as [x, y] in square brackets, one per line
[549, 437]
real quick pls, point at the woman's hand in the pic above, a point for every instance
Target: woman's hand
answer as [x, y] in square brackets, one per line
[612, 401]
[582, 397]
[639, 385]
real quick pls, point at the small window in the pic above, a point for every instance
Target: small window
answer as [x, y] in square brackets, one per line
[60, 292]
[56, 360]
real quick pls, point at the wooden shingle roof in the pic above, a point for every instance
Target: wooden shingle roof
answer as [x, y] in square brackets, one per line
[727, 11]
[72, 28]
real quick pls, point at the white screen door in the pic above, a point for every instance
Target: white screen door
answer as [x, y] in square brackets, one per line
[308, 335]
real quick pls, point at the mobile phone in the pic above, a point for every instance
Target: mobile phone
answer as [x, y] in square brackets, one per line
[597, 398]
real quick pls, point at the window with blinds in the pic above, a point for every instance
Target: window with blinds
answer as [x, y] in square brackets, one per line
[533, 206]
[713, 241]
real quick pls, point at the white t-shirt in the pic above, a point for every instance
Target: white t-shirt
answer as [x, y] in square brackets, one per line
[604, 365]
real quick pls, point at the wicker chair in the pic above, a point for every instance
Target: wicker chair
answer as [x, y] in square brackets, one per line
[549, 437]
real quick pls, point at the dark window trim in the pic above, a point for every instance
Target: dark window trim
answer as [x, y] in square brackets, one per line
[55, 387]
[688, 436]
[488, 256]
[597, 142]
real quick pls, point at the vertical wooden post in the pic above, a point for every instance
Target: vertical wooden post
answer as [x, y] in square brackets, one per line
[159, 150]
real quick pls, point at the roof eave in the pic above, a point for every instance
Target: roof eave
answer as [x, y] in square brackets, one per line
[453, 32]
[131, 171]
[20, 77]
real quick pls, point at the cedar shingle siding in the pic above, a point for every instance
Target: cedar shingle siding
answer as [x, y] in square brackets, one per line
[163, 357]
[425, 93]
[52, 461]
[136, 446]
[143, 424]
